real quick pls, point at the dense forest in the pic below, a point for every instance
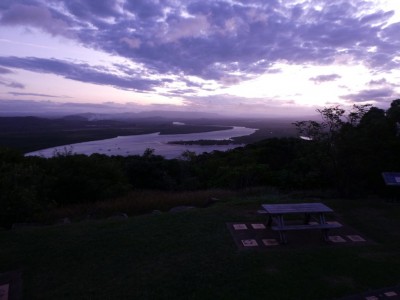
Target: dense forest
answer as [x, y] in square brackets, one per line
[345, 152]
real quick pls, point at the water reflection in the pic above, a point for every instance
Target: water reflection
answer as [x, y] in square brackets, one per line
[137, 144]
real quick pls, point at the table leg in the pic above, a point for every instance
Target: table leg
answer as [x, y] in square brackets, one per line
[325, 234]
[324, 231]
[322, 218]
[282, 234]
[307, 218]
[269, 223]
[283, 237]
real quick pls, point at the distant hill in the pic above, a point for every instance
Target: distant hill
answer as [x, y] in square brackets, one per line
[90, 111]
[154, 114]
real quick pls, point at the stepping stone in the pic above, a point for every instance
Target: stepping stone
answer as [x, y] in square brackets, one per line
[258, 226]
[336, 239]
[249, 243]
[390, 294]
[239, 226]
[4, 291]
[371, 298]
[270, 242]
[355, 238]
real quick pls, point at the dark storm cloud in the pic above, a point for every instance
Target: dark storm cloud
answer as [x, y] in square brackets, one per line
[79, 72]
[325, 78]
[220, 40]
[377, 95]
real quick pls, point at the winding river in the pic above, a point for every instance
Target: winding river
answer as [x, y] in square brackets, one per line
[137, 144]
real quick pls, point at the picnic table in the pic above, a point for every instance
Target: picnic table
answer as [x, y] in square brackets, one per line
[392, 181]
[310, 211]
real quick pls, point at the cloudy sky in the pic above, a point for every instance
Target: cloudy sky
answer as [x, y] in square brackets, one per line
[265, 57]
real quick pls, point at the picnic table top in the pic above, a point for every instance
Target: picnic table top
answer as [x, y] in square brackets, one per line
[296, 208]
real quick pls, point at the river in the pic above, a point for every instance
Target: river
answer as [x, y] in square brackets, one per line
[137, 144]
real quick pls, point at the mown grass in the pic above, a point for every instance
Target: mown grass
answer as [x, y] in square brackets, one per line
[191, 255]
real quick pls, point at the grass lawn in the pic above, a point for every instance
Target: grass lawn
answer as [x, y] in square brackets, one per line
[191, 255]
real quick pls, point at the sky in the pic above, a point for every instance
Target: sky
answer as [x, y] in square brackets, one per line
[236, 57]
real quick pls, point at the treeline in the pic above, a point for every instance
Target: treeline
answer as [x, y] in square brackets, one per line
[345, 152]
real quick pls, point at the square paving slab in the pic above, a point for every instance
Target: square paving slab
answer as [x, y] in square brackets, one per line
[391, 293]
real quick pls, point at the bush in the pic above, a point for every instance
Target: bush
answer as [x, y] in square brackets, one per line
[19, 189]
[79, 178]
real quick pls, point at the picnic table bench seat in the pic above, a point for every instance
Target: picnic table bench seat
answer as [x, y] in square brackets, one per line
[323, 227]
[306, 226]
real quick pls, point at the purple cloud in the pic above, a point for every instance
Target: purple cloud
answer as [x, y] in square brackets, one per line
[34, 94]
[5, 71]
[381, 81]
[86, 8]
[11, 84]
[79, 72]
[325, 78]
[377, 95]
[34, 15]
[146, 9]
